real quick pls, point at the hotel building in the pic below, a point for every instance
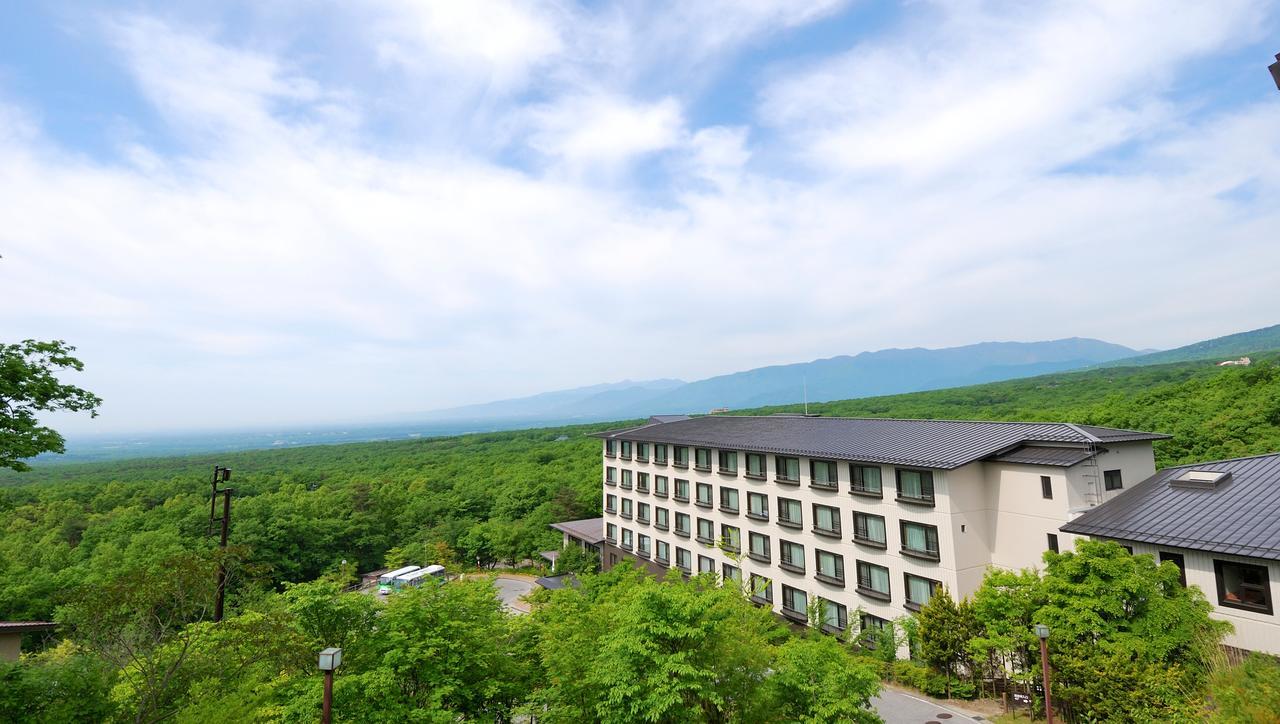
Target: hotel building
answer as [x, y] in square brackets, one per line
[855, 514]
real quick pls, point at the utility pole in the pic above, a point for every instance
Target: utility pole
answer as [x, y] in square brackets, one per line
[220, 474]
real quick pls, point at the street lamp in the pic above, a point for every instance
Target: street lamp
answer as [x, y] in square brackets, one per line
[1042, 632]
[330, 659]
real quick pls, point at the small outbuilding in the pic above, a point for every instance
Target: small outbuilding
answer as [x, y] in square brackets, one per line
[11, 633]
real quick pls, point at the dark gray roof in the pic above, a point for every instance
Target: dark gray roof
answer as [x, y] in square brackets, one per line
[589, 530]
[1063, 457]
[555, 583]
[925, 443]
[1240, 516]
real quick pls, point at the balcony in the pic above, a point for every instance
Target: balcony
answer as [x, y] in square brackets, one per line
[703, 503]
[683, 533]
[789, 566]
[863, 492]
[829, 580]
[862, 538]
[824, 485]
[915, 500]
[783, 480]
[705, 540]
[922, 554]
[661, 526]
[826, 532]
[788, 523]
[730, 509]
[865, 589]
[794, 615]
[762, 601]
[759, 557]
[758, 515]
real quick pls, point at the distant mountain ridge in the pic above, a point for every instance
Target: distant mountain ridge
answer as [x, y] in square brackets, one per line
[1264, 339]
[888, 371]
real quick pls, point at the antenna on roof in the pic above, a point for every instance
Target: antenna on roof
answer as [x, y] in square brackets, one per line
[805, 378]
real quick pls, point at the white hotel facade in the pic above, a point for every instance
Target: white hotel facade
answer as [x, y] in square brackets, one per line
[864, 514]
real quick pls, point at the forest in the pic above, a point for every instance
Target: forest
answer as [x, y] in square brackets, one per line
[305, 516]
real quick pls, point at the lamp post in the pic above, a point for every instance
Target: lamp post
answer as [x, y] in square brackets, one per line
[330, 659]
[1042, 632]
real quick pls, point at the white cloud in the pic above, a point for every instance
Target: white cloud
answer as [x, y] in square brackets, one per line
[604, 130]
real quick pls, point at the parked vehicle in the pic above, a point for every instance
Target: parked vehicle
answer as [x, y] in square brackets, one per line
[415, 578]
[387, 582]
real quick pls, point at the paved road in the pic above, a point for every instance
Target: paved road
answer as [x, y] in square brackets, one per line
[898, 707]
[510, 590]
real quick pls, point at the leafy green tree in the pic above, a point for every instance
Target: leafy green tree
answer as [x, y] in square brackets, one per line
[945, 630]
[576, 559]
[816, 680]
[61, 684]
[1247, 692]
[28, 386]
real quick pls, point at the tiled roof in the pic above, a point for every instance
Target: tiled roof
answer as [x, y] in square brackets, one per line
[1239, 516]
[925, 443]
[1063, 457]
[26, 626]
[589, 530]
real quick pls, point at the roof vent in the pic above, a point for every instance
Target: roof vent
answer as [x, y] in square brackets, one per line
[1200, 479]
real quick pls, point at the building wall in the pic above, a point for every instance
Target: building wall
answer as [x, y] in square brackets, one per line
[10, 646]
[1254, 631]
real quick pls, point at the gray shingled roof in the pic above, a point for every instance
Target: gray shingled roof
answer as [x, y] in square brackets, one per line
[1063, 457]
[1241, 516]
[590, 530]
[941, 444]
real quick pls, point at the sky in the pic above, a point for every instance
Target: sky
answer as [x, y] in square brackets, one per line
[257, 213]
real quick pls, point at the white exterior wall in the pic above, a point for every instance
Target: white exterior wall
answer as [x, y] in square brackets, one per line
[1254, 630]
[986, 514]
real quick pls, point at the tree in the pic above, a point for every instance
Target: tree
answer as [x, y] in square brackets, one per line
[816, 680]
[28, 386]
[578, 560]
[945, 630]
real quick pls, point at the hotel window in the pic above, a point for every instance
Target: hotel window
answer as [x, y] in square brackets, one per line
[1112, 480]
[642, 512]
[732, 574]
[791, 556]
[611, 448]
[704, 495]
[790, 513]
[915, 486]
[731, 538]
[680, 456]
[626, 507]
[919, 540]
[642, 482]
[756, 466]
[761, 588]
[919, 590]
[759, 547]
[611, 476]
[1177, 560]
[869, 630]
[660, 519]
[873, 580]
[611, 531]
[706, 531]
[660, 486]
[1053, 542]
[626, 479]
[795, 603]
[1243, 585]
[682, 525]
[865, 480]
[835, 617]
[826, 520]
[788, 469]
[626, 449]
[758, 506]
[662, 551]
[728, 462]
[611, 503]
[1046, 487]
[684, 559]
[706, 565]
[822, 474]
[626, 539]
[702, 459]
[682, 490]
[869, 529]
[642, 452]
[660, 454]
[729, 500]
[830, 567]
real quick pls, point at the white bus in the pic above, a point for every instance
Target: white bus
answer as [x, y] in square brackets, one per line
[415, 578]
[387, 581]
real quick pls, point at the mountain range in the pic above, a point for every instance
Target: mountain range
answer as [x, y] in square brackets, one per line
[883, 372]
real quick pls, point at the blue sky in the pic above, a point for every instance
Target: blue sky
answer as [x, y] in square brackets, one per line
[264, 213]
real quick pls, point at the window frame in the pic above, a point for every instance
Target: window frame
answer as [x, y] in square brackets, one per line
[787, 522]
[1267, 607]
[1046, 487]
[628, 508]
[625, 452]
[929, 530]
[1178, 560]
[662, 551]
[663, 490]
[642, 482]
[788, 562]
[642, 452]
[930, 499]
[760, 584]
[838, 559]
[661, 518]
[729, 456]
[688, 555]
[728, 533]
[644, 545]
[868, 590]
[1107, 481]
[779, 467]
[1051, 540]
[698, 454]
[659, 459]
[698, 500]
[710, 538]
[737, 499]
[828, 532]
[676, 495]
[790, 611]
[642, 512]
[767, 555]
[858, 538]
[764, 466]
[706, 564]
[842, 615]
[833, 471]
[751, 513]
[625, 484]
[685, 532]
[610, 475]
[680, 456]
[610, 503]
[611, 448]
[858, 484]
[911, 605]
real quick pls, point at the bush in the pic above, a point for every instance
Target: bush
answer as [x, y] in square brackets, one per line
[920, 677]
[1247, 692]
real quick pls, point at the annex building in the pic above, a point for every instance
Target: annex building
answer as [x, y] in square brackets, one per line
[1219, 522]
[854, 514]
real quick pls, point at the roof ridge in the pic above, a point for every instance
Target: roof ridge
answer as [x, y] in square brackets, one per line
[906, 419]
[1224, 460]
[1087, 436]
